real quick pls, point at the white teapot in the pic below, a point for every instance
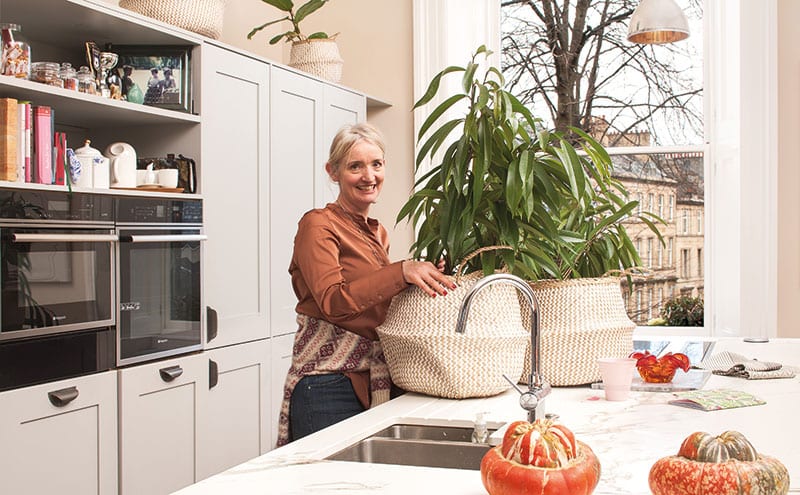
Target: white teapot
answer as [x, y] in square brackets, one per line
[123, 164]
[94, 167]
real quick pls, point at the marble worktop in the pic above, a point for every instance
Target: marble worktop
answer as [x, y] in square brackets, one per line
[628, 436]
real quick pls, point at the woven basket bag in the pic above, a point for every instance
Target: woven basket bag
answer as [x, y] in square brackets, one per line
[199, 16]
[580, 320]
[318, 57]
[426, 355]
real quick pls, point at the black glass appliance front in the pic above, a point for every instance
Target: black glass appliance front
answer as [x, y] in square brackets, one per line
[159, 292]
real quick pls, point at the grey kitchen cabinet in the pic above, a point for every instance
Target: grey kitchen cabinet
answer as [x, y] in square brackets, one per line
[235, 424]
[60, 437]
[305, 114]
[160, 406]
[234, 182]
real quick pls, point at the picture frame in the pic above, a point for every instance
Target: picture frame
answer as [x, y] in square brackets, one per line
[155, 75]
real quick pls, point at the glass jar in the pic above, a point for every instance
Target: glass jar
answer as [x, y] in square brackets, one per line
[46, 73]
[16, 54]
[69, 76]
[86, 81]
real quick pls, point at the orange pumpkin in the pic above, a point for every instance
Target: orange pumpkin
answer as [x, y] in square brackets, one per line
[723, 465]
[542, 458]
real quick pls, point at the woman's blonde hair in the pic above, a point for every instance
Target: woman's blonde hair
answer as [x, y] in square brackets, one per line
[347, 137]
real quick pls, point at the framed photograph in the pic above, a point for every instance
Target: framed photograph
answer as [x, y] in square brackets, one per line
[155, 75]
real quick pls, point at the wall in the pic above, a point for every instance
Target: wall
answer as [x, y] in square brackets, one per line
[375, 41]
[788, 170]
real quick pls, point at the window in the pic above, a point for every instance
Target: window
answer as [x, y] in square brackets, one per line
[670, 250]
[671, 207]
[699, 223]
[649, 252]
[650, 202]
[661, 206]
[685, 221]
[699, 262]
[649, 303]
[639, 198]
[685, 263]
[660, 259]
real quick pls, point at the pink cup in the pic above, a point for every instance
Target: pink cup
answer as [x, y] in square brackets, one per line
[617, 374]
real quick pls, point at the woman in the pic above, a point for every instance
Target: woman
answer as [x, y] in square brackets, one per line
[344, 282]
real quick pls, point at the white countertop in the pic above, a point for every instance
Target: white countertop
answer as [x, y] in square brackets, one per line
[628, 437]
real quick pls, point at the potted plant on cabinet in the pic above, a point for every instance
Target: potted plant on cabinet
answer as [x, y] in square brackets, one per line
[316, 53]
[505, 180]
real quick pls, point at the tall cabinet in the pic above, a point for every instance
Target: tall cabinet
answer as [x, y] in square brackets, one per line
[305, 115]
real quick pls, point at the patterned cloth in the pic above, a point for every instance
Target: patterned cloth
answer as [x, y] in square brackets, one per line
[732, 364]
[321, 348]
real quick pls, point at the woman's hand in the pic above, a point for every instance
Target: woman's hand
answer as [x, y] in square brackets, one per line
[427, 277]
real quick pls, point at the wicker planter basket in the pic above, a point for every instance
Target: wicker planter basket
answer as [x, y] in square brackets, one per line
[318, 57]
[580, 320]
[200, 16]
[426, 355]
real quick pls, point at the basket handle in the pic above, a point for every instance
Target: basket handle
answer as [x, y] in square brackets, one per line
[473, 254]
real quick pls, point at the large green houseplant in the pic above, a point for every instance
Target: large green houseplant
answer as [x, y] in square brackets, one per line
[500, 178]
[505, 180]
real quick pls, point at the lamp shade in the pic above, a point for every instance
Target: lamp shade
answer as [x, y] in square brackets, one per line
[657, 22]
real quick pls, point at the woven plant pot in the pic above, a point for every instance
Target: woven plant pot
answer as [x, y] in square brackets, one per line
[426, 355]
[580, 320]
[199, 16]
[318, 57]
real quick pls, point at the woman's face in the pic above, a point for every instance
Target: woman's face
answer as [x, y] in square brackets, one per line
[360, 177]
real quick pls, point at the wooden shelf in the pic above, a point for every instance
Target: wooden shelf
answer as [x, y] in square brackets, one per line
[84, 110]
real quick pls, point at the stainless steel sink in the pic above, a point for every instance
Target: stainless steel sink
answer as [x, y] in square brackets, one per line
[418, 445]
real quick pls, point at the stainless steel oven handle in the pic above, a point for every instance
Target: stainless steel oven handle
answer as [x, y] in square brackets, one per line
[163, 238]
[16, 237]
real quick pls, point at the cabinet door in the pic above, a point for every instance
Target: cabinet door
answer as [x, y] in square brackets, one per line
[160, 406]
[236, 425]
[234, 180]
[54, 444]
[281, 359]
[297, 138]
[305, 115]
[340, 107]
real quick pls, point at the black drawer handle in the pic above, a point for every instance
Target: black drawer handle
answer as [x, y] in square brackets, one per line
[213, 374]
[211, 323]
[170, 373]
[61, 398]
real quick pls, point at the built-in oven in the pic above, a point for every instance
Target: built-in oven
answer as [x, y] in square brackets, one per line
[57, 280]
[159, 284]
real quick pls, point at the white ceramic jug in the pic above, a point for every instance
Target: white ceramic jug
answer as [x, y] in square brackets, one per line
[123, 164]
[94, 167]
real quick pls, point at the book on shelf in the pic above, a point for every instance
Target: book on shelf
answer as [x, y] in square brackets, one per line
[42, 144]
[9, 135]
[60, 150]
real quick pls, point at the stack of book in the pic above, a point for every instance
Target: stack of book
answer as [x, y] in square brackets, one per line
[31, 150]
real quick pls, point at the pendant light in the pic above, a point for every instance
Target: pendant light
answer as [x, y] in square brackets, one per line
[658, 22]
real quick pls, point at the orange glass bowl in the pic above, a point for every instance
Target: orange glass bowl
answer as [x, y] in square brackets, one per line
[662, 369]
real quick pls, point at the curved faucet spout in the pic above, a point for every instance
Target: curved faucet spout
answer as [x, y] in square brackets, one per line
[532, 401]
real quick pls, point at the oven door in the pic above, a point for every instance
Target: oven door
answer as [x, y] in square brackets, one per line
[159, 288]
[55, 280]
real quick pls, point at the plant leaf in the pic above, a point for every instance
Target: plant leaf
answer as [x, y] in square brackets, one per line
[284, 5]
[307, 9]
[433, 87]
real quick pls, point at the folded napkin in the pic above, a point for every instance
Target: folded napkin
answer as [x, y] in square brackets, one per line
[731, 364]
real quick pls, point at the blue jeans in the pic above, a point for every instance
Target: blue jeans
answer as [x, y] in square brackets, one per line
[319, 401]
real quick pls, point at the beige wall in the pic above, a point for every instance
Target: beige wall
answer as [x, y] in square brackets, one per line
[788, 170]
[375, 42]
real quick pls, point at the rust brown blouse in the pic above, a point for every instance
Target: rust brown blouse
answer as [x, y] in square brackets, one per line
[341, 272]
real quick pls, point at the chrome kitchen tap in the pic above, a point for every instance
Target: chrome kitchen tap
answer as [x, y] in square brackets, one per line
[538, 388]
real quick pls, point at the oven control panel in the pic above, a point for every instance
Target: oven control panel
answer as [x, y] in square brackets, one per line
[138, 210]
